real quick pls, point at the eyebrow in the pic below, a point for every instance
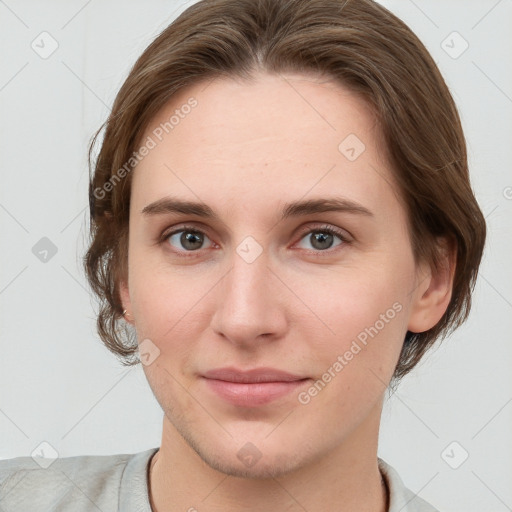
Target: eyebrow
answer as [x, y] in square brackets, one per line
[294, 209]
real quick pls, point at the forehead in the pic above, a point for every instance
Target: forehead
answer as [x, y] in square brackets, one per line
[292, 107]
[232, 139]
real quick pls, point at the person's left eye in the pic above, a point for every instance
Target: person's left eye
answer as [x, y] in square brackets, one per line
[321, 239]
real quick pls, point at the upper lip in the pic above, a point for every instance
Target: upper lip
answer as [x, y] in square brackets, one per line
[253, 375]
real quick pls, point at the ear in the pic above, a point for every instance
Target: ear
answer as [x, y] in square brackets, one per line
[434, 289]
[124, 293]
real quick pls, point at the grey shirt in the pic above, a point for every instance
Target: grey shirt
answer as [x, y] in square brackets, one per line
[118, 483]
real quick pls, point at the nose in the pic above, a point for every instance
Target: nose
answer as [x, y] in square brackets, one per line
[250, 303]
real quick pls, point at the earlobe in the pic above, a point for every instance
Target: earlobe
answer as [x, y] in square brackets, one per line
[125, 301]
[434, 291]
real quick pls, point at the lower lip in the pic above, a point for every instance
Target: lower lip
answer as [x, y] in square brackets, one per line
[253, 394]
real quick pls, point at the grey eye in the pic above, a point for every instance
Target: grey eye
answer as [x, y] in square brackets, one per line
[188, 239]
[320, 240]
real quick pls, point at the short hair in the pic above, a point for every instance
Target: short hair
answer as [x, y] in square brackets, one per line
[357, 43]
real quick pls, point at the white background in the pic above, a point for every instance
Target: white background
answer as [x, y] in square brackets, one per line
[57, 381]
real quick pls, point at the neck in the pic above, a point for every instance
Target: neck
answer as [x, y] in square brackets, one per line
[347, 478]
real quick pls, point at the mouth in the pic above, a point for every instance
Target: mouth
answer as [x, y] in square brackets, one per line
[252, 388]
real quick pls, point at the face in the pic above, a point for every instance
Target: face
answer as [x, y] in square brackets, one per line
[297, 260]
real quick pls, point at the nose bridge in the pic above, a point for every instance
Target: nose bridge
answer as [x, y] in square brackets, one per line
[248, 306]
[248, 280]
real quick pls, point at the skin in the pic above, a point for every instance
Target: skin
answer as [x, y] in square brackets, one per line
[245, 150]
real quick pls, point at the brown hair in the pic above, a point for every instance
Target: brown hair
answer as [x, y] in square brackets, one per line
[365, 48]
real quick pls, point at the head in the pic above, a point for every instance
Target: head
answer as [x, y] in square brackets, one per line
[283, 187]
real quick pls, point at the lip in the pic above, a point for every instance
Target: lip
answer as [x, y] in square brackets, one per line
[254, 375]
[254, 387]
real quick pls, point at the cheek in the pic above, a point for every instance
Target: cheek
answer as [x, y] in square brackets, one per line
[164, 298]
[166, 311]
[348, 300]
[360, 315]
[356, 355]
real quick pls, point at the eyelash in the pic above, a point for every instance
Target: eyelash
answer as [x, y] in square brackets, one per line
[324, 229]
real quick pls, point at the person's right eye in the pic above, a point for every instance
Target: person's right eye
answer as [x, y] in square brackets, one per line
[187, 239]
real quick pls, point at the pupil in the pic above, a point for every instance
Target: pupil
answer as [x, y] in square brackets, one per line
[191, 240]
[322, 240]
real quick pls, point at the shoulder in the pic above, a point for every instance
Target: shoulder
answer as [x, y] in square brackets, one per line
[80, 483]
[401, 498]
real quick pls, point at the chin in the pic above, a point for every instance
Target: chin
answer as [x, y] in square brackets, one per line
[269, 466]
[258, 460]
